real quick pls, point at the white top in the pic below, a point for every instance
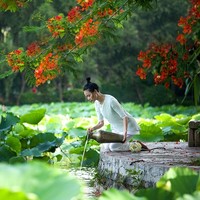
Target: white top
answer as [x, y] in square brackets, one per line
[113, 112]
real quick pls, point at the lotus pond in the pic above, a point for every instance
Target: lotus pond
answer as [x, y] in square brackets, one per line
[56, 133]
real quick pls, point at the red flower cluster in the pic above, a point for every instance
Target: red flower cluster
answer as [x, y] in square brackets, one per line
[33, 49]
[188, 23]
[167, 62]
[74, 14]
[163, 60]
[55, 26]
[89, 29]
[141, 73]
[85, 4]
[15, 60]
[106, 12]
[47, 70]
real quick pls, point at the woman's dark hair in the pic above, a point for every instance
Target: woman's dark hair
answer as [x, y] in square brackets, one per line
[91, 87]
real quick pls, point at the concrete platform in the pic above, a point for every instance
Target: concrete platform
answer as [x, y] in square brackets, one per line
[126, 170]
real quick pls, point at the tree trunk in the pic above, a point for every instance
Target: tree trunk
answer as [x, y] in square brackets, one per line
[8, 83]
[60, 89]
[23, 84]
[138, 91]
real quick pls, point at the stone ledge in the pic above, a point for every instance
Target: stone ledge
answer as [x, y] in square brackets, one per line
[128, 170]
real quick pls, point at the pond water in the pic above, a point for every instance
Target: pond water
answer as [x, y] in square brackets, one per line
[87, 175]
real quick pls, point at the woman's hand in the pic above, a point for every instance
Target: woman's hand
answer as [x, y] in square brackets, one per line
[90, 130]
[94, 128]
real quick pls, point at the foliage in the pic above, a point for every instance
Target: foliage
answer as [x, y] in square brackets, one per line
[174, 63]
[30, 97]
[149, 132]
[166, 123]
[73, 95]
[112, 62]
[19, 142]
[175, 184]
[39, 137]
[12, 5]
[111, 194]
[69, 37]
[114, 70]
[60, 128]
[26, 182]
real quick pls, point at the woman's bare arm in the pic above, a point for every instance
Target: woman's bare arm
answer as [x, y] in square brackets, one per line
[97, 126]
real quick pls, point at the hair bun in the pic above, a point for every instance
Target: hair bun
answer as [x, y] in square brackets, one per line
[91, 87]
[88, 79]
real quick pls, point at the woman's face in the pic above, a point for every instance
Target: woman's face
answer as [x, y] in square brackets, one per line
[90, 96]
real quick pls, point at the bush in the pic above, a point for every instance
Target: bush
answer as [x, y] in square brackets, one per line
[39, 97]
[158, 96]
[74, 95]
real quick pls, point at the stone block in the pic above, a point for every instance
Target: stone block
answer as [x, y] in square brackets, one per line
[194, 133]
[197, 138]
[145, 168]
[194, 124]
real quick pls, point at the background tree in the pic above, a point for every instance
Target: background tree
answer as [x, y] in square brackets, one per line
[115, 69]
[119, 62]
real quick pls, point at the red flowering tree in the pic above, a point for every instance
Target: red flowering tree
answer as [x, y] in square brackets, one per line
[90, 20]
[177, 63]
[69, 36]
